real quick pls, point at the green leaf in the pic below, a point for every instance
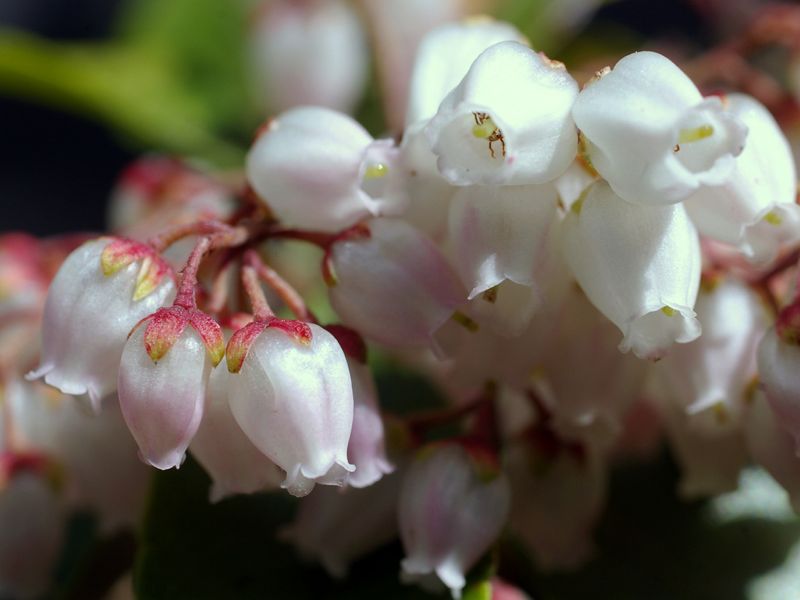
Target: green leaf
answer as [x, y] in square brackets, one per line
[481, 590]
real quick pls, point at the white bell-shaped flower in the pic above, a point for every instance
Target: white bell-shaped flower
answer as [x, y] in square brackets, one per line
[320, 170]
[581, 377]
[451, 510]
[443, 58]
[710, 464]
[647, 130]
[367, 446]
[306, 53]
[234, 464]
[556, 502]
[392, 284]
[163, 376]
[709, 377]
[772, 447]
[755, 209]
[506, 233]
[100, 292]
[508, 121]
[291, 394]
[639, 265]
[32, 525]
[778, 362]
[338, 526]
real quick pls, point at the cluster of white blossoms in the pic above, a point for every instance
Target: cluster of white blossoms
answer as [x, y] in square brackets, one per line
[583, 270]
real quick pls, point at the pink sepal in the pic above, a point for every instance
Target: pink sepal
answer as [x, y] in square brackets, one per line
[121, 252]
[240, 342]
[166, 325]
[164, 328]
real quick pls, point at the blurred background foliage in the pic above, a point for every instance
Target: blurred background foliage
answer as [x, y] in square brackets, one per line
[170, 76]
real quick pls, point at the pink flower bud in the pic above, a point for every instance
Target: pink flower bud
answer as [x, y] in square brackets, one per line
[392, 284]
[100, 292]
[291, 394]
[32, 527]
[366, 449]
[234, 464]
[320, 170]
[451, 511]
[162, 381]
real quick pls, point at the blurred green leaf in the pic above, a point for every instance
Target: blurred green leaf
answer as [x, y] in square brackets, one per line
[173, 80]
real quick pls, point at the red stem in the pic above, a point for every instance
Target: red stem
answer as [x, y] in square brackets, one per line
[286, 292]
[166, 238]
[230, 236]
[261, 308]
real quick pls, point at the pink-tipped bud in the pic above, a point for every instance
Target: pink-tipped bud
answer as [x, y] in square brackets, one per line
[451, 510]
[162, 381]
[393, 285]
[291, 394]
[100, 292]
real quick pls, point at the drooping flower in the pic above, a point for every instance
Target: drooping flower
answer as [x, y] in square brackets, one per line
[772, 447]
[506, 234]
[392, 284]
[100, 292]
[291, 393]
[557, 499]
[755, 209]
[452, 508]
[320, 170]
[508, 121]
[647, 130]
[163, 376]
[778, 360]
[709, 377]
[367, 446]
[639, 265]
[234, 464]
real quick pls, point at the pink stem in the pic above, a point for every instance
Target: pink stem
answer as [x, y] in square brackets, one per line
[290, 296]
[230, 236]
[166, 238]
[261, 308]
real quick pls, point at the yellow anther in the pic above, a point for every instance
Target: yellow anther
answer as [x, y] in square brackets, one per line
[773, 218]
[376, 171]
[695, 134]
[484, 129]
[670, 312]
[720, 412]
[465, 321]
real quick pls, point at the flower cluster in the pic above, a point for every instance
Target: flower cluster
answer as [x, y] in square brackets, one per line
[582, 269]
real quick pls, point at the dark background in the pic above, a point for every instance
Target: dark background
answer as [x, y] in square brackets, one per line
[56, 169]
